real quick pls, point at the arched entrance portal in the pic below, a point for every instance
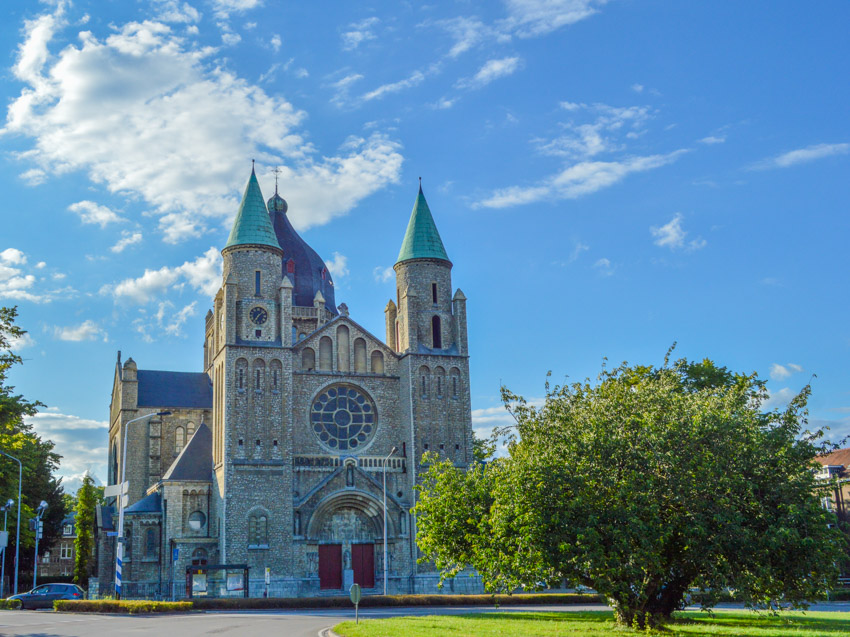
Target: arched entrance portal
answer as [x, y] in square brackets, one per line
[347, 529]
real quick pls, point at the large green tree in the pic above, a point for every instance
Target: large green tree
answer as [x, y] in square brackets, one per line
[40, 462]
[642, 485]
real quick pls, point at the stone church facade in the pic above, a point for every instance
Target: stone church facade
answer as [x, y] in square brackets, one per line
[273, 456]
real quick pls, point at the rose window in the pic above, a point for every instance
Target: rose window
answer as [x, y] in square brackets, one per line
[343, 417]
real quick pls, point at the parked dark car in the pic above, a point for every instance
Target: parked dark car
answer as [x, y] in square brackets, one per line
[43, 596]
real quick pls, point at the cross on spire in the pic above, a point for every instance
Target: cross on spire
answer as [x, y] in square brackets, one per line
[276, 172]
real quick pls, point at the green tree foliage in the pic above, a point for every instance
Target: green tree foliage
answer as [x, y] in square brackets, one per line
[643, 485]
[87, 499]
[18, 439]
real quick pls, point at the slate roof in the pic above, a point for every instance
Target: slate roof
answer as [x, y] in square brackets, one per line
[195, 461]
[149, 504]
[174, 389]
[310, 273]
[421, 241]
[252, 225]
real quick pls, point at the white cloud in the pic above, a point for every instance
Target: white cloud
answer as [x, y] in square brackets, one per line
[604, 267]
[672, 235]
[802, 155]
[142, 110]
[92, 213]
[275, 42]
[13, 256]
[577, 180]
[85, 331]
[637, 88]
[34, 176]
[173, 11]
[778, 399]
[82, 442]
[382, 275]
[338, 266]
[127, 239]
[167, 320]
[578, 248]
[203, 275]
[532, 18]
[21, 342]
[359, 32]
[415, 78]
[781, 372]
[713, 139]
[492, 70]
[223, 8]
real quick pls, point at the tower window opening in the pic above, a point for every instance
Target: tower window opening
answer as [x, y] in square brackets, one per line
[274, 443]
[258, 333]
[257, 380]
[439, 386]
[258, 442]
[436, 335]
[426, 446]
[257, 283]
[241, 442]
[241, 377]
[434, 293]
[454, 386]
[424, 387]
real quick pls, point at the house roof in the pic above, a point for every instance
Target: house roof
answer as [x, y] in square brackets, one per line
[837, 457]
[149, 504]
[252, 225]
[174, 389]
[422, 240]
[195, 460]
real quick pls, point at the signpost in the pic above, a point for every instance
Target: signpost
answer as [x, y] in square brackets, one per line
[355, 593]
[118, 491]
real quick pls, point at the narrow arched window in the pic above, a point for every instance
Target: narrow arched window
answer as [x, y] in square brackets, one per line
[179, 439]
[436, 334]
[241, 375]
[258, 530]
[308, 359]
[257, 379]
[190, 430]
[325, 353]
[150, 543]
[257, 283]
[377, 362]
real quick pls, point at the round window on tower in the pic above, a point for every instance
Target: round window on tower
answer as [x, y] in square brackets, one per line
[197, 520]
[344, 418]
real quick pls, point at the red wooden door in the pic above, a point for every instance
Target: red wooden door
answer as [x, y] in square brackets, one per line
[363, 563]
[330, 566]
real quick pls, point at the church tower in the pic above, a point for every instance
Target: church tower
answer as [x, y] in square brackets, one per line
[251, 433]
[427, 327]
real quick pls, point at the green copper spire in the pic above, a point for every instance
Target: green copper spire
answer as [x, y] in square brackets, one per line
[422, 241]
[252, 225]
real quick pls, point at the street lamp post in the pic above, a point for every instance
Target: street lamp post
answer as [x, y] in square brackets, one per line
[18, 531]
[119, 551]
[5, 508]
[42, 507]
[385, 516]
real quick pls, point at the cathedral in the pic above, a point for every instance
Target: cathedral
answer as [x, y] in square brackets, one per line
[287, 466]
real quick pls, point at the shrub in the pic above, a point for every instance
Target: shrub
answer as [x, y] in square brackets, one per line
[130, 606]
[10, 604]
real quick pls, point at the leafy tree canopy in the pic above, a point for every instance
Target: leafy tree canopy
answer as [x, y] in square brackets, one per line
[40, 462]
[643, 485]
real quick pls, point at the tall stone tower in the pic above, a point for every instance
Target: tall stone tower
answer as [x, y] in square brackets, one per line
[252, 441]
[427, 327]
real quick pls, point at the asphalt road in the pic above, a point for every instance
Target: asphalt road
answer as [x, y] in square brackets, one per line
[254, 623]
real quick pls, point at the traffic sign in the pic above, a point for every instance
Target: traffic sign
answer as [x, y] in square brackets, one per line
[4, 539]
[115, 489]
[355, 594]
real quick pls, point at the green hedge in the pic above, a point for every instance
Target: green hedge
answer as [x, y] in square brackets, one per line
[10, 604]
[259, 603]
[130, 606]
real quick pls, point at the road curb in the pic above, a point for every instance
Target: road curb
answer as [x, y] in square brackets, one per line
[327, 632]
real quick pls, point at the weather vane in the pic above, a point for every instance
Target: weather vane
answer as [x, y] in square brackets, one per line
[276, 172]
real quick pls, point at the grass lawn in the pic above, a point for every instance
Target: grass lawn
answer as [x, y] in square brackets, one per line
[688, 624]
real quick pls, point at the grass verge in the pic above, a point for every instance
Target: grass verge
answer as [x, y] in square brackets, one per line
[598, 623]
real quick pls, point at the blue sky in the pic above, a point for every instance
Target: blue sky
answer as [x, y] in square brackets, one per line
[607, 177]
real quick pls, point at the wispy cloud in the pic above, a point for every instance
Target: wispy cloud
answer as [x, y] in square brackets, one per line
[359, 32]
[533, 18]
[604, 267]
[802, 155]
[82, 441]
[382, 275]
[85, 331]
[127, 239]
[781, 372]
[18, 280]
[166, 320]
[672, 235]
[578, 180]
[492, 70]
[415, 78]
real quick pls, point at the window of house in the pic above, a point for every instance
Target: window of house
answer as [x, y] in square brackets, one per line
[68, 529]
[66, 552]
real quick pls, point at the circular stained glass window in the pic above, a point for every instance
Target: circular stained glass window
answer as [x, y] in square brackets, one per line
[343, 417]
